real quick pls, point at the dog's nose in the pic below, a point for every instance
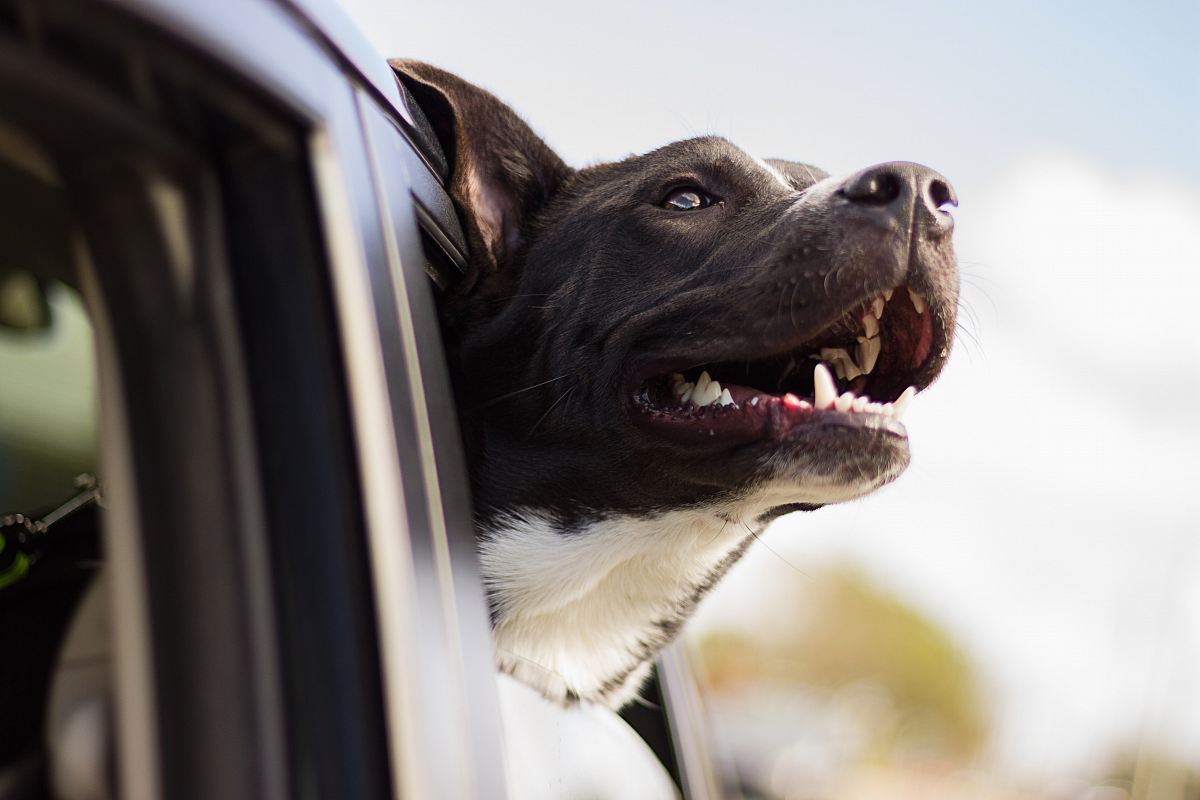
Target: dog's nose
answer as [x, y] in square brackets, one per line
[893, 188]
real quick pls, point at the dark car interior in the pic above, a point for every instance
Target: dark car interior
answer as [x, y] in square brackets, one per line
[148, 188]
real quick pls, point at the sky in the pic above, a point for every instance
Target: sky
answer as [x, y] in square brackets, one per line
[1049, 519]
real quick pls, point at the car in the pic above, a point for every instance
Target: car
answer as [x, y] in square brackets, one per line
[225, 231]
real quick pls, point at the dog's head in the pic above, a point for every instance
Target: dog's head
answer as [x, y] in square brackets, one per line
[686, 327]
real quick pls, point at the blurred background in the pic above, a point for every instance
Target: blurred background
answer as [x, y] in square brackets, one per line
[1019, 615]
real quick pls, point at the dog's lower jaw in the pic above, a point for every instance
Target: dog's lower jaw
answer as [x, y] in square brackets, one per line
[581, 613]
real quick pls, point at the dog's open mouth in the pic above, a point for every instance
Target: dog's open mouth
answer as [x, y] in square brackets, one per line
[861, 371]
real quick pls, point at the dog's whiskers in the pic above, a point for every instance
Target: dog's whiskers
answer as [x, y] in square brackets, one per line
[773, 552]
[533, 663]
[551, 408]
[508, 395]
[792, 306]
[825, 281]
[779, 305]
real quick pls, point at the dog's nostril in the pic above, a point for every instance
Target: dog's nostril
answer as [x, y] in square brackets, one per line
[873, 187]
[942, 194]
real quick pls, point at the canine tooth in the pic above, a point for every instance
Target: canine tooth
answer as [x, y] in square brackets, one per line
[868, 354]
[726, 399]
[917, 301]
[824, 392]
[707, 394]
[877, 307]
[844, 401]
[901, 403]
[870, 325]
[887, 295]
[860, 404]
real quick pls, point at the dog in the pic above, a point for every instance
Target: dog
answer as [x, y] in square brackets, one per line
[653, 358]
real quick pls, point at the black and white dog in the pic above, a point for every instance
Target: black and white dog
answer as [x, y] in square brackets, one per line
[656, 357]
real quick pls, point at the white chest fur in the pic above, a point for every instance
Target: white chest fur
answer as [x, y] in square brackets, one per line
[580, 612]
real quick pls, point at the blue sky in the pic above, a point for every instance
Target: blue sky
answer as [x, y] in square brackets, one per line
[965, 87]
[1048, 520]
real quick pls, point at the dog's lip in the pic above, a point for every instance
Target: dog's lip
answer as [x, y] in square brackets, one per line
[909, 352]
[774, 419]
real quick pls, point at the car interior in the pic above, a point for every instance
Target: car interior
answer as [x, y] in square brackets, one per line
[138, 183]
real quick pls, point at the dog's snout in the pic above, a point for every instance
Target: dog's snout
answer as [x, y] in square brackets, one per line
[894, 188]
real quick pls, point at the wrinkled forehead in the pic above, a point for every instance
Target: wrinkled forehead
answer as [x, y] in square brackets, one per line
[709, 161]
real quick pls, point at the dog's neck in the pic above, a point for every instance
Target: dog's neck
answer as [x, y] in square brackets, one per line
[581, 613]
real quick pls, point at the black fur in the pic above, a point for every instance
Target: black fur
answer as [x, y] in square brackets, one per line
[583, 286]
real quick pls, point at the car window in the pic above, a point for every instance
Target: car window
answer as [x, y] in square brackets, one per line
[47, 396]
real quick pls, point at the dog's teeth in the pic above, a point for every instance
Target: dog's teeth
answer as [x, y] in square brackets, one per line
[917, 301]
[832, 354]
[754, 400]
[874, 408]
[877, 307]
[842, 362]
[844, 401]
[676, 377]
[794, 403]
[870, 326]
[726, 399]
[679, 387]
[901, 402]
[860, 404]
[703, 381]
[687, 394]
[868, 353]
[824, 391]
[887, 295]
[706, 393]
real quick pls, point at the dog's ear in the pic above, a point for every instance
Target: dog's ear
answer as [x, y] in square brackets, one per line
[501, 173]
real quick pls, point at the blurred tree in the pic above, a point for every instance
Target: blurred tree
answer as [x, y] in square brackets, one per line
[841, 632]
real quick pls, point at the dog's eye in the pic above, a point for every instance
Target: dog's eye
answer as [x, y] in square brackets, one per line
[686, 199]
